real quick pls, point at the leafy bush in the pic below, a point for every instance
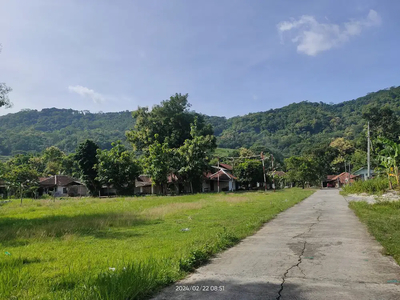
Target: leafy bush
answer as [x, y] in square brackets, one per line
[376, 185]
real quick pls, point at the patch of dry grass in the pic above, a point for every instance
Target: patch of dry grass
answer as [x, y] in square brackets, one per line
[234, 199]
[171, 208]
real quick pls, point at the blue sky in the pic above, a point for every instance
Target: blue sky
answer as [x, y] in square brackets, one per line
[232, 57]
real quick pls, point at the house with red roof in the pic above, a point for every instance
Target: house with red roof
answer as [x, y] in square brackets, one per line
[340, 180]
[221, 180]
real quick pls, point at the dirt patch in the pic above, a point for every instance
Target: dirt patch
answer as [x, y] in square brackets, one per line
[372, 199]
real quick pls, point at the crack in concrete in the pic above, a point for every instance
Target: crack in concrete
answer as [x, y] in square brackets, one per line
[287, 271]
[299, 261]
[301, 270]
[309, 229]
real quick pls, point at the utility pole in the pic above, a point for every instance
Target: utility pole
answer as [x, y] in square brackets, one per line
[273, 173]
[265, 178]
[218, 174]
[349, 174]
[368, 153]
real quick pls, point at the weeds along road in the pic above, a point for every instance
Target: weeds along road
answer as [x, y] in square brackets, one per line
[317, 249]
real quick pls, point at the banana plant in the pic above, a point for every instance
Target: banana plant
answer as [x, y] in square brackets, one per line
[389, 157]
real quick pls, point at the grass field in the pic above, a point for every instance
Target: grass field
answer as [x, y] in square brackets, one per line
[383, 221]
[122, 248]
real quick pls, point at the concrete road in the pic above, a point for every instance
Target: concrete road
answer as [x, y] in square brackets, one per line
[317, 249]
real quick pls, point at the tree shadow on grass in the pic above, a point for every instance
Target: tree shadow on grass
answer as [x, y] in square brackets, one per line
[105, 225]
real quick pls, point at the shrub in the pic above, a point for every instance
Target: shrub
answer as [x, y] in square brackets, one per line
[376, 185]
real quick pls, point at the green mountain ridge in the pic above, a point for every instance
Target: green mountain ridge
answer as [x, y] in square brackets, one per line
[289, 130]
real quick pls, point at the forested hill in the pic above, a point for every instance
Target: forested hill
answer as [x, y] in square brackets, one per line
[289, 130]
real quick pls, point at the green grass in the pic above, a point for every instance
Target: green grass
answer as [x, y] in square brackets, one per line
[383, 221]
[372, 186]
[122, 248]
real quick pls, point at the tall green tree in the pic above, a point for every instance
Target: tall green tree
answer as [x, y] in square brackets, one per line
[168, 123]
[249, 171]
[158, 163]
[324, 158]
[22, 179]
[53, 159]
[37, 163]
[118, 168]
[301, 169]
[70, 166]
[195, 156]
[86, 156]
[345, 150]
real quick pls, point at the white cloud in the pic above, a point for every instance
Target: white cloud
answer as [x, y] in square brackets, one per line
[87, 93]
[313, 37]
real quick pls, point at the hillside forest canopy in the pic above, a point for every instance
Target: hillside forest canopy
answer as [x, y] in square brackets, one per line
[291, 130]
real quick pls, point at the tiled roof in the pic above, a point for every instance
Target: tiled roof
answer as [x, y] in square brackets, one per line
[59, 180]
[222, 175]
[144, 178]
[343, 177]
[225, 166]
[279, 173]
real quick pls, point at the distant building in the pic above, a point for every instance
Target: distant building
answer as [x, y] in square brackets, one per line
[144, 185]
[339, 180]
[227, 182]
[61, 185]
[3, 189]
[363, 173]
[223, 177]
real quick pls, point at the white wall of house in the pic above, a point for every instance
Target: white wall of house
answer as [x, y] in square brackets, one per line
[205, 187]
[223, 185]
[61, 191]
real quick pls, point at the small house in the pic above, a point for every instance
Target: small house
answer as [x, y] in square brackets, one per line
[62, 185]
[363, 173]
[3, 189]
[221, 180]
[144, 185]
[341, 179]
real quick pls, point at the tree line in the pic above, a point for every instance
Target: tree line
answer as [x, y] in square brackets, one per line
[167, 140]
[288, 131]
[172, 141]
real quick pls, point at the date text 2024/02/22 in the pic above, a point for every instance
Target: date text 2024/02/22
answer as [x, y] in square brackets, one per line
[200, 288]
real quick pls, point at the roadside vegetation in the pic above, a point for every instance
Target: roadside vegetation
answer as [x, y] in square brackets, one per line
[122, 248]
[383, 221]
[374, 186]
